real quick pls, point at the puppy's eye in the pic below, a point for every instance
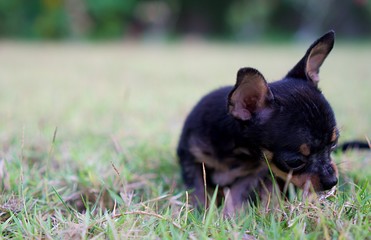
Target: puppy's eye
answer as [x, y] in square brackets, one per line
[295, 164]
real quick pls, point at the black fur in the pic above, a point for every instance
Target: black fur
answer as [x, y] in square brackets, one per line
[235, 129]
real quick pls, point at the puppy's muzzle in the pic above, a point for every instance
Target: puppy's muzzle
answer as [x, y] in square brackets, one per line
[328, 176]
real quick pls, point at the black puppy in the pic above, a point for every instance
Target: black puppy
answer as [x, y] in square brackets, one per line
[236, 132]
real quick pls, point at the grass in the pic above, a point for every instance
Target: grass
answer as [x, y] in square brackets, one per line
[88, 134]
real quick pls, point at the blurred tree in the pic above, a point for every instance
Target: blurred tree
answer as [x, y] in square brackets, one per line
[17, 17]
[202, 17]
[153, 19]
[248, 19]
[303, 18]
[33, 19]
[79, 18]
[242, 19]
[51, 22]
[110, 17]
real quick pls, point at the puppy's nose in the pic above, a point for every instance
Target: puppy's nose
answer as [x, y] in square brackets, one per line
[328, 184]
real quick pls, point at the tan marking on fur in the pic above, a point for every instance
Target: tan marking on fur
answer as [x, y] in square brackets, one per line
[241, 151]
[223, 175]
[209, 161]
[223, 178]
[304, 149]
[334, 135]
[226, 177]
[267, 154]
[279, 173]
[299, 180]
[302, 180]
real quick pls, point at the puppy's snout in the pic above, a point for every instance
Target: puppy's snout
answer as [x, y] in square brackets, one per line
[327, 185]
[329, 176]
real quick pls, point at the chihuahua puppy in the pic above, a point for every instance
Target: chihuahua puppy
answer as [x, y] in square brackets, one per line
[237, 134]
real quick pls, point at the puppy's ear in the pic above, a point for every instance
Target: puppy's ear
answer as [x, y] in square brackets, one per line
[250, 94]
[308, 66]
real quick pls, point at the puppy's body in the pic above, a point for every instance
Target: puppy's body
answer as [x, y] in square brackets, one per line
[234, 130]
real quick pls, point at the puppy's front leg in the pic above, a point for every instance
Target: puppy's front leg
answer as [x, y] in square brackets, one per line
[239, 193]
[198, 197]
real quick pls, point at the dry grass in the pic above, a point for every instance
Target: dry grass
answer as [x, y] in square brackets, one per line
[110, 171]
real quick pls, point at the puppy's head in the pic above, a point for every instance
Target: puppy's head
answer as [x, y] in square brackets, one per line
[291, 118]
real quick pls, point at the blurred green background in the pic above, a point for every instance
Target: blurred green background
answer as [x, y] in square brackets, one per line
[231, 20]
[59, 50]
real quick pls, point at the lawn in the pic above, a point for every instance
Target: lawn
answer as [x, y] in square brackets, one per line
[88, 135]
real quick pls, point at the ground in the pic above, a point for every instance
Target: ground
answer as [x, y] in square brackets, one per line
[88, 135]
